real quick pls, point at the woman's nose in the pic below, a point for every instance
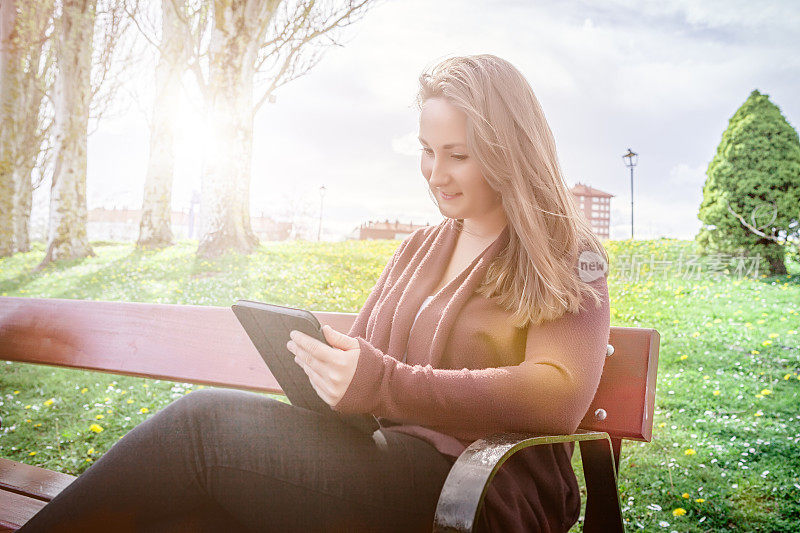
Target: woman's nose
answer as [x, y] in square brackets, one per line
[438, 174]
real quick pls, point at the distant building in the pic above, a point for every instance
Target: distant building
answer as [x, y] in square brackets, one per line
[596, 207]
[123, 225]
[386, 230]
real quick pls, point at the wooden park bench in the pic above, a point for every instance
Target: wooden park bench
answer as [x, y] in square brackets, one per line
[207, 345]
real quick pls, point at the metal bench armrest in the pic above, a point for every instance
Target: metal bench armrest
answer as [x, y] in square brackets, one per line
[461, 499]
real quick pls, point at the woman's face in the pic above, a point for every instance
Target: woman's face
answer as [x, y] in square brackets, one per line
[453, 176]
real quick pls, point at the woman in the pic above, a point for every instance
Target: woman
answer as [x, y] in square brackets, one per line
[482, 324]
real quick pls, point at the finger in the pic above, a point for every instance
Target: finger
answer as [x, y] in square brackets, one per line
[317, 349]
[301, 355]
[337, 339]
[317, 381]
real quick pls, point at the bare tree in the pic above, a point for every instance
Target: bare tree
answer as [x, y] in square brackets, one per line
[241, 51]
[155, 229]
[27, 73]
[88, 34]
[9, 94]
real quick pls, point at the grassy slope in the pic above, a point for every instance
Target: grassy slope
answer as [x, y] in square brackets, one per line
[735, 336]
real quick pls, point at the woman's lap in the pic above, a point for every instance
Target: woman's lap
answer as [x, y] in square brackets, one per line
[265, 464]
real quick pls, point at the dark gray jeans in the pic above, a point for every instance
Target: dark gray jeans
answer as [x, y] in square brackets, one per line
[229, 460]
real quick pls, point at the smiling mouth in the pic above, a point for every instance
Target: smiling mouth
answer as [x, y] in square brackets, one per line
[448, 196]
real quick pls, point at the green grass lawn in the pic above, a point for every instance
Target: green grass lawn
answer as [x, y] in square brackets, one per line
[725, 450]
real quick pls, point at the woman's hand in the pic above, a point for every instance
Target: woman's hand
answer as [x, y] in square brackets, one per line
[329, 368]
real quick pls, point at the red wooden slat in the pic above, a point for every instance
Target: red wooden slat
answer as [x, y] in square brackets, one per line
[16, 509]
[187, 343]
[205, 344]
[33, 481]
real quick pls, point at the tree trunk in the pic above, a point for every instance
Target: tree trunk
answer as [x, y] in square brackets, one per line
[225, 191]
[9, 101]
[155, 230]
[25, 114]
[67, 237]
[777, 267]
[23, 200]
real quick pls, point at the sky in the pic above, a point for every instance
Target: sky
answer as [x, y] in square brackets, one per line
[662, 78]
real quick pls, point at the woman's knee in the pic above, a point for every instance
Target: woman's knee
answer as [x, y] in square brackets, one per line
[204, 408]
[205, 404]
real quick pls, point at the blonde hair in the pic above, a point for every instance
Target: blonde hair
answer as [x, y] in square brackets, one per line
[536, 275]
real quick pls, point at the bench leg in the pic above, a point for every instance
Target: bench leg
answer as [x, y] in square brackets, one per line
[603, 512]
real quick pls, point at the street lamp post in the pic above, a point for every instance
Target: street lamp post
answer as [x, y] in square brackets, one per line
[630, 159]
[321, 196]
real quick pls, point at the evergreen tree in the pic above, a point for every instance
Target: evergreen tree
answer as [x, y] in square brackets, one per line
[751, 197]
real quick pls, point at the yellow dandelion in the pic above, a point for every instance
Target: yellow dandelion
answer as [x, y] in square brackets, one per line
[143, 410]
[106, 399]
[37, 424]
[754, 352]
[50, 401]
[689, 451]
[96, 428]
[696, 334]
[760, 321]
[90, 451]
[715, 393]
[706, 377]
[83, 390]
[662, 424]
[32, 453]
[717, 320]
[699, 500]
[787, 376]
[129, 401]
[759, 413]
[680, 511]
[759, 396]
[98, 417]
[27, 407]
[685, 495]
[773, 335]
[766, 343]
[145, 385]
[123, 392]
[766, 392]
[684, 356]
[88, 459]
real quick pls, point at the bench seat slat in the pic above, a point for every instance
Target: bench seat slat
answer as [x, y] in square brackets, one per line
[32, 481]
[16, 509]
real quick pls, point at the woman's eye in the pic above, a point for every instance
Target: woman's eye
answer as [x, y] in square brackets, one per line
[457, 157]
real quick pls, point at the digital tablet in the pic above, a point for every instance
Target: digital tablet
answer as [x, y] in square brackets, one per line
[268, 326]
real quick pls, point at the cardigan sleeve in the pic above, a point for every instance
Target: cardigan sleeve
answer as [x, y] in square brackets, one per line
[550, 391]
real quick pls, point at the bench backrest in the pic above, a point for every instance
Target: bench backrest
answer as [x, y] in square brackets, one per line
[206, 344]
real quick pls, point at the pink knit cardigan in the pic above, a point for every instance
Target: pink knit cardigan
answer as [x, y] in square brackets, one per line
[467, 376]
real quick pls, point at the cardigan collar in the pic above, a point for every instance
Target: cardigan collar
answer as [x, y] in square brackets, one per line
[424, 269]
